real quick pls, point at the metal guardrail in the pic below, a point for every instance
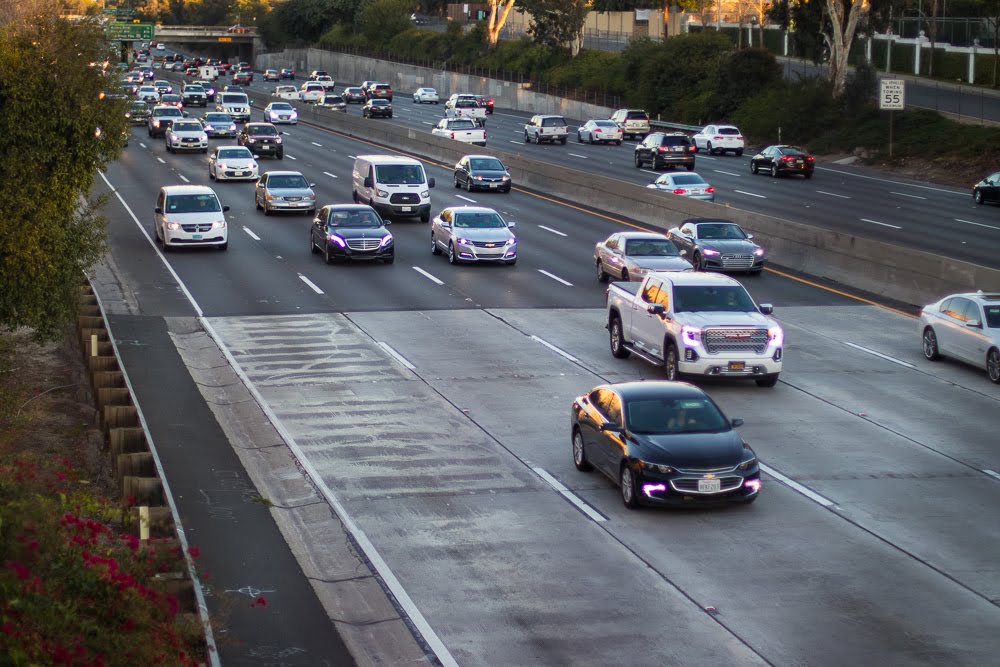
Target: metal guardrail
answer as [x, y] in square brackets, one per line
[663, 125]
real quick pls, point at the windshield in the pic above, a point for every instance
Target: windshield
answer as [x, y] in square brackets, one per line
[218, 118]
[486, 163]
[173, 112]
[400, 174]
[234, 98]
[683, 179]
[262, 130]
[725, 230]
[604, 123]
[480, 220]
[193, 89]
[992, 314]
[681, 415]
[203, 203]
[287, 181]
[637, 115]
[462, 125]
[235, 153]
[282, 106]
[717, 299]
[140, 106]
[650, 248]
[353, 218]
[186, 127]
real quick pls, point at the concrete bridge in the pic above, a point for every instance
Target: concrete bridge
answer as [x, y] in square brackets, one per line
[234, 42]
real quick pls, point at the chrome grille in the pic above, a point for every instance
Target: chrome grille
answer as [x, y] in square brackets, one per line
[496, 245]
[686, 485]
[363, 244]
[737, 261]
[735, 340]
[203, 227]
[404, 198]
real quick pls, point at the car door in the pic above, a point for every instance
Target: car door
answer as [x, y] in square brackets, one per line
[610, 444]
[213, 159]
[701, 139]
[612, 256]
[685, 240]
[591, 417]
[259, 190]
[991, 190]
[970, 337]
[647, 328]
[462, 171]
[319, 228]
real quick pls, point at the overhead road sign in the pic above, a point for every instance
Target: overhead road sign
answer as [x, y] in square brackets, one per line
[128, 32]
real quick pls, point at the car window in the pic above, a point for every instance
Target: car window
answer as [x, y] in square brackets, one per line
[637, 115]
[553, 122]
[462, 124]
[479, 220]
[235, 153]
[728, 130]
[722, 298]
[218, 118]
[282, 106]
[650, 291]
[669, 140]
[353, 218]
[992, 316]
[971, 311]
[713, 230]
[186, 127]
[263, 130]
[681, 415]
[650, 248]
[234, 98]
[489, 164]
[287, 181]
[193, 203]
[614, 409]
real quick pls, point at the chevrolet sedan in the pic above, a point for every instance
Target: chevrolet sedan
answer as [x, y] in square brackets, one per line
[631, 255]
[663, 443]
[483, 172]
[473, 234]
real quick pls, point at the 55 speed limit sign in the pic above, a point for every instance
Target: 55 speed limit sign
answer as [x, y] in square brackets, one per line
[892, 94]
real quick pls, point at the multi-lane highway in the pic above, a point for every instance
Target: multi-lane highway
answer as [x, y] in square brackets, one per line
[433, 400]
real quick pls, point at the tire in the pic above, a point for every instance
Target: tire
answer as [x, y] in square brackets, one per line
[425, 217]
[739, 153]
[625, 276]
[690, 167]
[616, 339]
[211, 176]
[602, 276]
[977, 196]
[457, 184]
[579, 454]
[156, 234]
[468, 185]
[256, 203]
[562, 141]
[527, 139]
[312, 245]
[579, 138]
[767, 380]
[753, 167]
[993, 365]
[281, 155]
[326, 254]
[638, 161]
[670, 361]
[452, 257]
[708, 147]
[629, 488]
[698, 262]
[929, 343]
[435, 250]
[774, 171]
[267, 209]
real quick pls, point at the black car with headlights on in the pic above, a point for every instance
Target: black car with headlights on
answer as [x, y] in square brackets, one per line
[664, 443]
[719, 245]
[138, 113]
[483, 172]
[351, 232]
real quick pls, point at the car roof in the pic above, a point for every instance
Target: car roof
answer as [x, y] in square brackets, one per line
[698, 278]
[655, 389]
[388, 159]
[282, 173]
[641, 235]
[698, 221]
[256, 125]
[478, 157]
[187, 190]
[471, 209]
[979, 296]
[348, 207]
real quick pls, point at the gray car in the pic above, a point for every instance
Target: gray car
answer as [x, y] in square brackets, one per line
[687, 184]
[720, 245]
[965, 327]
[284, 191]
[473, 234]
[631, 255]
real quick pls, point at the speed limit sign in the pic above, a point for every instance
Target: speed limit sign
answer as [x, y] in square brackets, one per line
[892, 94]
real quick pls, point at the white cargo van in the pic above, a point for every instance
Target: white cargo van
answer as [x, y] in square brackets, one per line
[209, 72]
[396, 187]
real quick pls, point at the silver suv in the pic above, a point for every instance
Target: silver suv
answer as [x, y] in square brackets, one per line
[633, 122]
[546, 128]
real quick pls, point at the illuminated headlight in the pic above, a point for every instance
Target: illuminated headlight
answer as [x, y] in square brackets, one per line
[221, 166]
[210, 128]
[776, 336]
[463, 241]
[173, 226]
[218, 224]
[691, 336]
[505, 178]
[382, 193]
[278, 140]
[656, 467]
[758, 251]
[748, 464]
[271, 197]
[232, 127]
[156, 123]
[511, 241]
[710, 253]
[478, 178]
[386, 240]
[333, 238]
[295, 114]
[128, 115]
[425, 194]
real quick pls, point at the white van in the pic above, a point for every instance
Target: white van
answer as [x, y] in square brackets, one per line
[396, 187]
[209, 72]
[190, 215]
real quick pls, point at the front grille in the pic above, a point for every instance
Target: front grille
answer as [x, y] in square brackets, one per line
[202, 227]
[363, 244]
[189, 140]
[404, 198]
[726, 484]
[735, 340]
[737, 261]
[293, 198]
[495, 245]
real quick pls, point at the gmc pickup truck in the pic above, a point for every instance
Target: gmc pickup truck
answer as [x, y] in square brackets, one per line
[460, 129]
[695, 324]
[467, 108]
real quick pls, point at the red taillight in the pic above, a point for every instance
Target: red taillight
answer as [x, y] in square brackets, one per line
[692, 148]
[679, 191]
[787, 158]
[663, 149]
[597, 130]
[452, 135]
[740, 138]
[810, 159]
[710, 189]
[718, 138]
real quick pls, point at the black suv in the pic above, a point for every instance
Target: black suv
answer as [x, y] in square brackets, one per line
[261, 139]
[663, 149]
[380, 91]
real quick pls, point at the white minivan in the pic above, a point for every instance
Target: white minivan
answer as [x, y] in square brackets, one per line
[190, 215]
[395, 186]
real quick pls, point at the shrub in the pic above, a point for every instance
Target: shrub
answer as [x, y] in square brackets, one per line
[742, 75]
[789, 112]
[379, 20]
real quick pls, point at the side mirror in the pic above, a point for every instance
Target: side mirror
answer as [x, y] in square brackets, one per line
[736, 422]
[656, 309]
[510, 225]
[749, 236]
[975, 324]
[368, 182]
[312, 185]
[158, 210]
[610, 426]
[387, 222]
[766, 308]
[430, 182]
[225, 208]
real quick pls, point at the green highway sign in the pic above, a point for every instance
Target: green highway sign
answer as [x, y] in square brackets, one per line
[128, 32]
[109, 10]
[124, 12]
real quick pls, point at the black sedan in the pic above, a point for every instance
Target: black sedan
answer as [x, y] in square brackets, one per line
[783, 160]
[355, 95]
[721, 245]
[377, 108]
[483, 172]
[987, 190]
[287, 73]
[352, 232]
[664, 443]
[485, 102]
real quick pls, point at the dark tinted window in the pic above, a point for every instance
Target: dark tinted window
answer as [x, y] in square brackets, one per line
[992, 316]
[720, 230]
[263, 130]
[553, 122]
[353, 218]
[683, 415]
[650, 248]
[674, 140]
[479, 220]
[637, 115]
[487, 163]
[724, 298]
[791, 150]
[728, 130]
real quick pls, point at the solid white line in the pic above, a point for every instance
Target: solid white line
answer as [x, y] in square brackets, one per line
[426, 122]
[397, 356]
[887, 180]
[252, 235]
[142, 145]
[353, 157]
[311, 284]
[832, 194]
[560, 352]
[884, 224]
[992, 473]
[582, 157]
[162, 161]
[751, 194]
[549, 229]
[650, 171]
[569, 495]
[511, 141]
[315, 144]
[880, 355]
[977, 224]
[330, 175]
[727, 173]
[427, 275]
[466, 199]
[903, 194]
[808, 493]
[555, 277]
[183, 178]
[291, 157]
[374, 557]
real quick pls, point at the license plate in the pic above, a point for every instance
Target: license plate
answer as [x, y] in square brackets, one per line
[493, 185]
[737, 365]
[404, 208]
[709, 485]
[196, 236]
[242, 173]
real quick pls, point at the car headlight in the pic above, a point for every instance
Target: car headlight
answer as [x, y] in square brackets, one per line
[386, 240]
[749, 463]
[709, 252]
[250, 140]
[505, 178]
[461, 241]
[691, 336]
[310, 197]
[232, 127]
[776, 336]
[173, 226]
[218, 224]
[220, 165]
[210, 128]
[128, 115]
[758, 251]
[295, 114]
[156, 123]
[656, 467]
[512, 240]
[271, 197]
[278, 140]
[333, 238]
[425, 194]
[382, 193]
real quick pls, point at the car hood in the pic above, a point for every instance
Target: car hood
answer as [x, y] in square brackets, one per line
[291, 192]
[727, 318]
[359, 232]
[483, 234]
[692, 450]
[660, 263]
[728, 245]
[196, 134]
[489, 173]
[238, 162]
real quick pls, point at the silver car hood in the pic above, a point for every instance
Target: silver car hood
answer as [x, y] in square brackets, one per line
[661, 263]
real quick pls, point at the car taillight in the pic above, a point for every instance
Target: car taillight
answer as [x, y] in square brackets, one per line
[692, 148]
[710, 189]
[718, 138]
[810, 159]
[663, 149]
[787, 158]
[679, 191]
[597, 130]
[452, 135]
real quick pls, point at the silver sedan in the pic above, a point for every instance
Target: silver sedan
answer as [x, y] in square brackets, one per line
[473, 234]
[631, 255]
[686, 184]
[599, 131]
[965, 327]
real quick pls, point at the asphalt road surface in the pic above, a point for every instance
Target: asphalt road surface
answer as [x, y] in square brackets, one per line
[433, 401]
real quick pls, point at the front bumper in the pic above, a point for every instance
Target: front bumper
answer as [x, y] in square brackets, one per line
[499, 253]
[264, 149]
[283, 120]
[682, 487]
[734, 263]
[750, 366]
[286, 205]
[212, 237]
[384, 252]
[233, 174]
[401, 210]
[189, 145]
[220, 133]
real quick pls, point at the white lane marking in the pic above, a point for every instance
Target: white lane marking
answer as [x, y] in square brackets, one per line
[549, 229]
[511, 141]
[142, 145]
[903, 194]
[427, 275]
[880, 355]
[315, 144]
[992, 473]
[807, 492]
[560, 352]
[977, 224]
[251, 234]
[555, 277]
[884, 224]
[582, 157]
[330, 175]
[750, 194]
[162, 161]
[887, 180]
[353, 157]
[727, 173]
[183, 178]
[650, 171]
[832, 194]
[311, 284]
[397, 356]
[466, 199]
[570, 496]
[426, 122]
[705, 157]
[291, 157]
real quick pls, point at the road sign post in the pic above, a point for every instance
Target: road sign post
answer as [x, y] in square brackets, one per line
[891, 97]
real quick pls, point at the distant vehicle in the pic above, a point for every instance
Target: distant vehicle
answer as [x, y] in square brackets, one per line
[163, 87]
[599, 132]
[379, 91]
[665, 149]
[329, 85]
[161, 46]
[287, 73]
[209, 72]
[243, 78]
[311, 91]
[783, 161]
[281, 112]
[316, 73]
[631, 255]
[987, 190]
[286, 92]
[482, 172]
[686, 184]
[219, 124]
[426, 96]
[208, 87]
[467, 108]
[720, 245]
[138, 113]
[190, 215]
[271, 75]
[148, 94]
[485, 102]
[546, 128]
[236, 105]
[377, 108]
[634, 122]
[719, 139]
[473, 234]
[354, 95]
[335, 102]
[351, 232]
[262, 139]
[966, 327]
[172, 100]
[194, 95]
[460, 129]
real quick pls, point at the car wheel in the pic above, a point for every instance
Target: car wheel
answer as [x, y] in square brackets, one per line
[602, 276]
[579, 455]
[638, 162]
[698, 262]
[326, 254]
[562, 141]
[930, 345]
[977, 196]
[739, 153]
[281, 155]
[468, 185]
[579, 138]
[627, 481]
[211, 175]
[425, 217]
[767, 380]
[457, 183]
[993, 365]
[156, 234]
[527, 139]
[774, 171]
[708, 147]
[312, 245]
[753, 167]
[625, 276]
[435, 250]
[267, 209]
[256, 203]
[670, 364]
[452, 257]
[616, 338]
[690, 167]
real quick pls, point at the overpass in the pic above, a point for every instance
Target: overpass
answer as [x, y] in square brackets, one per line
[239, 42]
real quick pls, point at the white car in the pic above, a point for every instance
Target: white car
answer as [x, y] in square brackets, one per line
[190, 215]
[599, 131]
[461, 129]
[281, 112]
[186, 135]
[232, 162]
[286, 93]
[312, 91]
[965, 327]
[426, 96]
[719, 139]
[161, 46]
[473, 234]
[148, 94]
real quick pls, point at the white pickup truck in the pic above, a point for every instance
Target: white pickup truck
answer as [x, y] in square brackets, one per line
[698, 324]
[461, 129]
[467, 107]
[285, 93]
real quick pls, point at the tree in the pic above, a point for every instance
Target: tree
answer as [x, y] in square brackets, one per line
[701, 8]
[499, 11]
[307, 20]
[381, 20]
[842, 24]
[557, 23]
[50, 230]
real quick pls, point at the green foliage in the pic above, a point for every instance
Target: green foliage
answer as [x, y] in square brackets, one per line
[794, 111]
[742, 75]
[383, 19]
[49, 233]
[859, 90]
[305, 21]
[591, 70]
[555, 23]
